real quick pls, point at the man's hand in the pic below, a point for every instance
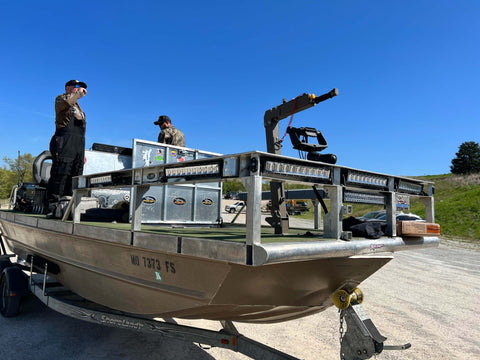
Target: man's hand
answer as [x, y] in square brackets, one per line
[81, 91]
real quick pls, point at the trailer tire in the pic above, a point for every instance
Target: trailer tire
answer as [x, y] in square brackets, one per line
[9, 305]
[4, 264]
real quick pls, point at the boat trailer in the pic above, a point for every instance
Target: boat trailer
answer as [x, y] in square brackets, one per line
[360, 340]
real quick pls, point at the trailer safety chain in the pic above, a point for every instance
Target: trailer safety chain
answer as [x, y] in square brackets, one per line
[341, 324]
[2, 246]
[341, 329]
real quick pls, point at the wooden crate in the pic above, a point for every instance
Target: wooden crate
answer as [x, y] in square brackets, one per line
[417, 228]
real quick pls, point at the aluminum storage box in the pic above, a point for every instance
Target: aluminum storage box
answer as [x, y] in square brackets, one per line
[177, 204]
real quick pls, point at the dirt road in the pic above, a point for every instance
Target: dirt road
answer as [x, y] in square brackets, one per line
[427, 297]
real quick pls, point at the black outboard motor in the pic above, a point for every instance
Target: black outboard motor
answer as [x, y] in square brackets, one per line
[299, 138]
[41, 168]
[30, 198]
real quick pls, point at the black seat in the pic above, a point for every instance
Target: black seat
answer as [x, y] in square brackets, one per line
[299, 138]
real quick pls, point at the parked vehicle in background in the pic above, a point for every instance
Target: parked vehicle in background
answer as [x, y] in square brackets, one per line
[402, 217]
[294, 207]
[372, 215]
[381, 215]
[233, 208]
[231, 195]
[297, 207]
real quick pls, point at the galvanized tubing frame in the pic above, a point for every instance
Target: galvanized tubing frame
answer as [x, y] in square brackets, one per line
[252, 169]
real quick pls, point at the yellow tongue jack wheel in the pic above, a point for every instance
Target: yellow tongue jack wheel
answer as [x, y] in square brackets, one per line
[342, 299]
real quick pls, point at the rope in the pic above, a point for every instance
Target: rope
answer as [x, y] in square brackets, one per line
[291, 119]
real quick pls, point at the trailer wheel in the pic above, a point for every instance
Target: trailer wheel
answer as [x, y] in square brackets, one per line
[4, 264]
[9, 303]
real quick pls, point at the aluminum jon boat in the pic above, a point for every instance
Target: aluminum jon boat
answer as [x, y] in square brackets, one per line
[226, 271]
[233, 272]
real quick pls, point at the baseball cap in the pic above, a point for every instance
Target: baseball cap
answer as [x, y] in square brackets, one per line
[75, 83]
[162, 119]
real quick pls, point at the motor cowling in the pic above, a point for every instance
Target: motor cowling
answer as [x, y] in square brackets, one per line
[41, 168]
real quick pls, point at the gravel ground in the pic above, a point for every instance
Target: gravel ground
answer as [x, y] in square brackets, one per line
[427, 297]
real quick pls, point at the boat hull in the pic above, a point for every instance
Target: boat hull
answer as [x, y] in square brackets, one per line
[157, 283]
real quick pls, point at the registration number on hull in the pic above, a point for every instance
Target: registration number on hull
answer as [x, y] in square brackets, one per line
[159, 266]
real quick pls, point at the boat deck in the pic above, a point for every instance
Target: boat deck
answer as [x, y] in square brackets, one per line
[227, 232]
[233, 232]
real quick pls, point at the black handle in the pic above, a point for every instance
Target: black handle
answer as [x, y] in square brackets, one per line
[329, 95]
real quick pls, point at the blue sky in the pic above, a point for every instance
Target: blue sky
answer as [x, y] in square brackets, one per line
[408, 74]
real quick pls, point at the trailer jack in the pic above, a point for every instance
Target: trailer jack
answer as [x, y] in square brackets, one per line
[361, 339]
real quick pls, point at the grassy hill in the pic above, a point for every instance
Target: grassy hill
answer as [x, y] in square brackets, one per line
[457, 205]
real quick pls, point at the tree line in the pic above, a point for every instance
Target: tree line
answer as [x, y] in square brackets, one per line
[19, 170]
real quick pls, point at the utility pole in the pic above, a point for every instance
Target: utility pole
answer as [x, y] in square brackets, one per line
[18, 168]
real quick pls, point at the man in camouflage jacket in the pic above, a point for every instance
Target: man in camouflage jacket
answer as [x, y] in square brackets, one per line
[169, 134]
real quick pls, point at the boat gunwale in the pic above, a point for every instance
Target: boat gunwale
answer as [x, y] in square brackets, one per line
[227, 250]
